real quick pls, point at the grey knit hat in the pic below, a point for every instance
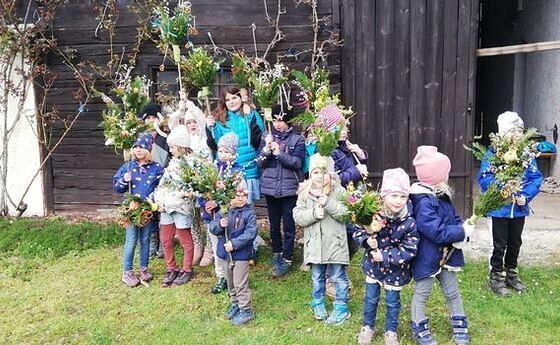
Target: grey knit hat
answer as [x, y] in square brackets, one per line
[229, 141]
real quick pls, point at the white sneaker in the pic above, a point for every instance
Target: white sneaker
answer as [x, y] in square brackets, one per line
[391, 338]
[366, 333]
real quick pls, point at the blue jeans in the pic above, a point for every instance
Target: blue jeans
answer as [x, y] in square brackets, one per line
[137, 234]
[337, 276]
[392, 302]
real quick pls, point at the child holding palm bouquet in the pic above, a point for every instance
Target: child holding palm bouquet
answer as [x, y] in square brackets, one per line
[510, 163]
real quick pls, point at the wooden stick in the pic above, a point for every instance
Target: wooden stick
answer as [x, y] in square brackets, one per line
[518, 48]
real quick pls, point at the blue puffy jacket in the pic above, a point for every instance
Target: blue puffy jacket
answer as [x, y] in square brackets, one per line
[345, 164]
[281, 175]
[531, 185]
[398, 243]
[438, 225]
[242, 230]
[248, 128]
[144, 180]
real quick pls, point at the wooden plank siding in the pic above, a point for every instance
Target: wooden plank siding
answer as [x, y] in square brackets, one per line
[80, 172]
[412, 82]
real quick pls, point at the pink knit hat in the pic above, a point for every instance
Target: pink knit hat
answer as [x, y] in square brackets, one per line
[432, 167]
[395, 181]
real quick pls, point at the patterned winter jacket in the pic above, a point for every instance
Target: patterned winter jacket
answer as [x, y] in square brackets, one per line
[144, 180]
[531, 185]
[241, 231]
[438, 225]
[170, 194]
[281, 175]
[398, 242]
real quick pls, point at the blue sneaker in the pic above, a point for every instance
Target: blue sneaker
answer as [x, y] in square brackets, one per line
[282, 268]
[233, 310]
[339, 315]
[242, 317]
[319, 309]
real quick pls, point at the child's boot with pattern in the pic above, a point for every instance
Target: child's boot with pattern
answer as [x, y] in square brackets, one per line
[422, 334]
[460, 330]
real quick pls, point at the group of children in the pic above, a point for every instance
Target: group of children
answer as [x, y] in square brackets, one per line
[420, 237]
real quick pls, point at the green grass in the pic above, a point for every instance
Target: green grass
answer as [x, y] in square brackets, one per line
[72, 294]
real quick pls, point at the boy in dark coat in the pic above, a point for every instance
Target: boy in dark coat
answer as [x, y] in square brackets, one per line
[236, 231]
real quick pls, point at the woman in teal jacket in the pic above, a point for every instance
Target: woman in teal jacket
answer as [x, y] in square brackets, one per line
[231, 115]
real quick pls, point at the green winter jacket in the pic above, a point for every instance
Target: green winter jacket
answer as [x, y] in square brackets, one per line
[324, 240]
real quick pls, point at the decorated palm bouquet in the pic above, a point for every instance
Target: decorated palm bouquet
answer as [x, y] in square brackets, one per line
[200, 70]
[362, 203]
[267, 88]
[510, 159]
[226, 188]
[120, 124]
[135, 210]
[175, 27]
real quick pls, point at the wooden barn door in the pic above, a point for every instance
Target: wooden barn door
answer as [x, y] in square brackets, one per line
[408, 69]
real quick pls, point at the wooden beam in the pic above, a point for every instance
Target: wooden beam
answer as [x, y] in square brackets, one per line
[518, 48]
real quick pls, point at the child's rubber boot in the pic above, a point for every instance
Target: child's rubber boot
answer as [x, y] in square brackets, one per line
[460, 330]
[319, 309]
[339, 314]
[242, 317]
[513, 281]
[422, 334]
[497, 283]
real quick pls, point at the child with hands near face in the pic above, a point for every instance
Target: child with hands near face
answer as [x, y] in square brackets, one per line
[387, 255]
[319, 211]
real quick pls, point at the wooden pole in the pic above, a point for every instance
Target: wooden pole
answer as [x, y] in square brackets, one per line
[518, 48]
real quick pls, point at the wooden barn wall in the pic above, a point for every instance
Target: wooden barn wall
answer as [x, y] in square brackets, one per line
[408, 68]
[81, 170]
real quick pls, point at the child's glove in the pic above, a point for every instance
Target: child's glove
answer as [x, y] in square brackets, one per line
[469, 229]
[362, 168]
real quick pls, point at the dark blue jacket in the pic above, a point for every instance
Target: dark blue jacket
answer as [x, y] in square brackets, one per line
[438, 226]
[345, 164]
[280, 176]
[242, 230]
[531, 185]
[144, 180]
[398, 243]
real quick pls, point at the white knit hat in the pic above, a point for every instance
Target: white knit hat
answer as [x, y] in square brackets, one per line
[179, 136]
[509, 120]
[322, 162]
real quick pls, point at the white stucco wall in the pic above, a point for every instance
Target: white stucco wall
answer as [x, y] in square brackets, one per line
[24, 156]
[539, 22]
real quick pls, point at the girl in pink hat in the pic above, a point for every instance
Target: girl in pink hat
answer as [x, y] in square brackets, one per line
[387, 255]
[439, 227]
